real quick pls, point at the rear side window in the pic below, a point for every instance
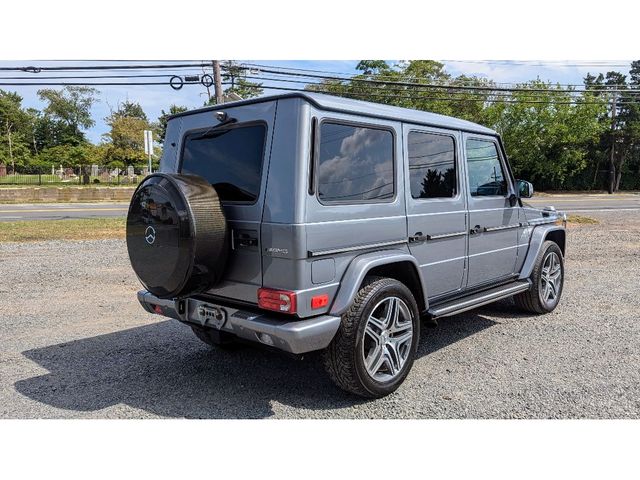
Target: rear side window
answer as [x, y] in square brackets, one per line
[432, 165]
[486, 177]
[230, 159]
[355, 163]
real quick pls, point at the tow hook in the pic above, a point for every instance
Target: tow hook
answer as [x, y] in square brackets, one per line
[213, 316]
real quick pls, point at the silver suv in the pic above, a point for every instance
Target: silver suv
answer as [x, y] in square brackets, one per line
[308, 222]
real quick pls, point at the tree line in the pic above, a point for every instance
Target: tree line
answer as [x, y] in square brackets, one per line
[32, 140]
[558, 137]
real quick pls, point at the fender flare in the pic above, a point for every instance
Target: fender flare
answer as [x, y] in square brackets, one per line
[538, 236]
[358, 269]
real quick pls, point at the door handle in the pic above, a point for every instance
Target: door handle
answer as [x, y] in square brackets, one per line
[475, 230]
[417, 237]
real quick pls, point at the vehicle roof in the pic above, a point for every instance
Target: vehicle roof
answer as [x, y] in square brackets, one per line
[360, 107]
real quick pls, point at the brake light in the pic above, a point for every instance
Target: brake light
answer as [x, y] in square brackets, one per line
[319, 301]
[281, 301]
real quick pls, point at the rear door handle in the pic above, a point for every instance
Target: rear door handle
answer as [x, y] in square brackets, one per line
[417, 237]
[475, 230]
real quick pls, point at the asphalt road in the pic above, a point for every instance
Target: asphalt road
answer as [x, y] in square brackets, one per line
[75, 343]
[57, 211]
[588, 202]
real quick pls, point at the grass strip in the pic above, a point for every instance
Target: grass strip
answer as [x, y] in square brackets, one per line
[73, 229]
[581, 219]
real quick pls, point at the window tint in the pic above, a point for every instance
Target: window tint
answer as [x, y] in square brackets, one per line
[486, 176]
[354, 163]
[432, 165]
[231, 160]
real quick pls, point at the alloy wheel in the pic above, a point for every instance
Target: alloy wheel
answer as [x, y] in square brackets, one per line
[551, 279]
[387, 339]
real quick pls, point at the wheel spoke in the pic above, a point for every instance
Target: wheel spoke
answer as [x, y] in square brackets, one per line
[402, 338]
[393, 358]
[376, 322]
[373, 334]
[374, 359]
[552, 289]
[392, 312]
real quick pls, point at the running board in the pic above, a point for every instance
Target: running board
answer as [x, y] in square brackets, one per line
[463, 304]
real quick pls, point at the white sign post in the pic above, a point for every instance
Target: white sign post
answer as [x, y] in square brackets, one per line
[148, 145]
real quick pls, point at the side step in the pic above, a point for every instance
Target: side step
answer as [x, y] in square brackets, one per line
[463, 304]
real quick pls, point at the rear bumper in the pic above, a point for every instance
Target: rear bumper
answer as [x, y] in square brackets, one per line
[294, 336]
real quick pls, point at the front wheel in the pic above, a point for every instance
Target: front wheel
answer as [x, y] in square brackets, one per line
[374, 348]
[547, 281]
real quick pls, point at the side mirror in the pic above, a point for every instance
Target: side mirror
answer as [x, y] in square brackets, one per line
[525, 189]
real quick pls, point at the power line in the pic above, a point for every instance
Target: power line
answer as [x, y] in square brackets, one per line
[286, 71]
[381, 89]
[344, 76]
[542, 63]
[376, 94]
[484, 94]
[416, 85]
[87, 77]
[413, 97]
[35, 70]
[80, 84]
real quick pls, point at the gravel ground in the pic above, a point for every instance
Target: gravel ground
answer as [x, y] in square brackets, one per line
[75, 343]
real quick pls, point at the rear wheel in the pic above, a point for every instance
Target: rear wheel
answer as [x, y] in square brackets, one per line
[374, 348]
[547, 280]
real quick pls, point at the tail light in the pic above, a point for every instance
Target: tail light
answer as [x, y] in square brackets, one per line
[281, 301]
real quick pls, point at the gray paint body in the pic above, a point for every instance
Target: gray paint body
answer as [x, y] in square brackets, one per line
[313, 248]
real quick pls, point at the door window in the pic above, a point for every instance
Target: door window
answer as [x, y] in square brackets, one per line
[432, 165]
[486, 175]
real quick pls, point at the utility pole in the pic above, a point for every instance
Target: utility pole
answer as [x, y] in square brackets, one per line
[612, 166]
[217, 81]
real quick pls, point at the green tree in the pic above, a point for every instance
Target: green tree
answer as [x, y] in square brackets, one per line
[81, 155]
[125, 139]
[68, 112]
[548, 133]
[547, 136]
[235, 75]
[14, 127]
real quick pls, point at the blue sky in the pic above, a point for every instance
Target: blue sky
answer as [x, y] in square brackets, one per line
[155, 98]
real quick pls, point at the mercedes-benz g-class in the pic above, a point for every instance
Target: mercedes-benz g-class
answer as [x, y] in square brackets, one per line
[309, 222]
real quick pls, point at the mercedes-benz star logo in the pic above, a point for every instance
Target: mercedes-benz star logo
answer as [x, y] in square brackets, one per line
[150, 235]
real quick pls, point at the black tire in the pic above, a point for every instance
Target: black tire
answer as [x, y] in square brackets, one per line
[343, 358]
[177, 235]
[533, 300]
[215, 338]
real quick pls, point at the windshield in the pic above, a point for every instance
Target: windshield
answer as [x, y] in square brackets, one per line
[230, 159]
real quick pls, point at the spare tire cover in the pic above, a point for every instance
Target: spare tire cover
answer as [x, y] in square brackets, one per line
[176, 235]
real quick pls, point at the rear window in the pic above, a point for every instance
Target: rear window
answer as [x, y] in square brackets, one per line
[230, 159]
[355, 164]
